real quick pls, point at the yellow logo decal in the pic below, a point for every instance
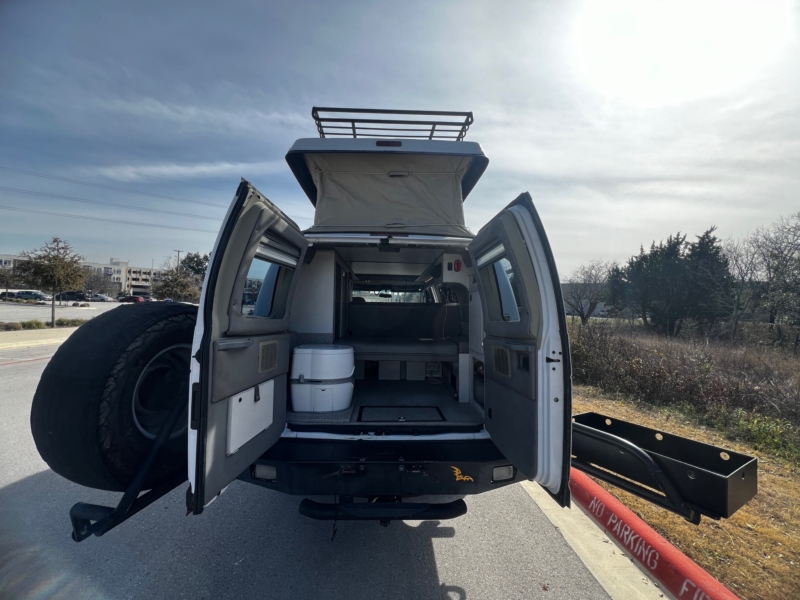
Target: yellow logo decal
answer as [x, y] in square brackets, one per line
[460, 476]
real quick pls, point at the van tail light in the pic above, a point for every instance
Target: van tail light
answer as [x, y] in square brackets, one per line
[456, 266]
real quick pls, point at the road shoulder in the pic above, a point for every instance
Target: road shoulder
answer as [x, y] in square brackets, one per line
[612, 567]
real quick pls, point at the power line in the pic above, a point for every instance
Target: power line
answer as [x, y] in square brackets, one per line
[55, 214]
[72, 198]
[110, 187]
[203, 187]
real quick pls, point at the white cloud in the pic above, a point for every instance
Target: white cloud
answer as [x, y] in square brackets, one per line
[243, 118]
[188, 171]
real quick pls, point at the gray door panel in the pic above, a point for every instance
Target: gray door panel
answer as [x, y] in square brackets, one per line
[526, 350]
[243, 343]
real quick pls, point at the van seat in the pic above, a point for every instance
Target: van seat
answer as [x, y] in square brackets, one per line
[403, 349]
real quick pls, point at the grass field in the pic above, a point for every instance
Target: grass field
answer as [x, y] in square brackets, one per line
[756, 553]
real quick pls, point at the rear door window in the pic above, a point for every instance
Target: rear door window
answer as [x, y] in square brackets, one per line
[502, 283]
[268, 279]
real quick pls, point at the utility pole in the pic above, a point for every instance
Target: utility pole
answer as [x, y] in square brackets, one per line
[179, 256]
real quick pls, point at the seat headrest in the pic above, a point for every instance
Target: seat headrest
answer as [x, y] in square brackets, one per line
[358, 300]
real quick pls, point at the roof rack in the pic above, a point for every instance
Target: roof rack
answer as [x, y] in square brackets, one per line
[355, 124]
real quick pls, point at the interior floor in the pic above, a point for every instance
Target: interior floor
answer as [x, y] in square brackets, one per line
[395, 403]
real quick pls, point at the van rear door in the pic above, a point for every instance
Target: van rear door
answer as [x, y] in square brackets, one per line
[242, 344]
[528, 393]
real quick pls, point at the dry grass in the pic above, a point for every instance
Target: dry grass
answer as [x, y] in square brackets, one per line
[751, 392]
[755, 553]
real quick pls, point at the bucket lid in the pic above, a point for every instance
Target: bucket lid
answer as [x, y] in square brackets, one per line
[323, 349]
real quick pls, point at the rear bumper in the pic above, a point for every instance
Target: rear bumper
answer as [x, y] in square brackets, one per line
[365, 468]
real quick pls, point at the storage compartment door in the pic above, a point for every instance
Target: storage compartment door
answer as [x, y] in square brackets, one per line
[241, 346]
[528, 390]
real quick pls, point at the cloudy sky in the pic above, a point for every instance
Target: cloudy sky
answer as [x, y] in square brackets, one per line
[626, 120]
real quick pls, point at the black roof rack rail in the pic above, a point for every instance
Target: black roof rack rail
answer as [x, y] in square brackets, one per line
[355, 124]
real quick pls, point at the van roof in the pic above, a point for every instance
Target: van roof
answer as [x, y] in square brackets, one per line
[296, 157]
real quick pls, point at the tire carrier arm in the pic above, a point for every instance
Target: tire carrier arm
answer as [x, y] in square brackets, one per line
[106, 518]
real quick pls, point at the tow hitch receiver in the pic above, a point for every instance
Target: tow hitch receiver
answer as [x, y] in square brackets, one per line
[687, 477]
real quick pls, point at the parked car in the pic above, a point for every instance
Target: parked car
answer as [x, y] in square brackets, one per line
[131, 299]
[384, 353]
[71, 296]
[33, 295]
[7, 295]
[148, 298]
[100, 298]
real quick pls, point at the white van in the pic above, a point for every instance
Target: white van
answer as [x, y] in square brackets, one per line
[384, 353]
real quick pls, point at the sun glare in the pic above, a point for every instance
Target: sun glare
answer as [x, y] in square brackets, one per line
[655, 52]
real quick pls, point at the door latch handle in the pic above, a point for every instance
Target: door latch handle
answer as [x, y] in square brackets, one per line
[551, 360]
[234, 344]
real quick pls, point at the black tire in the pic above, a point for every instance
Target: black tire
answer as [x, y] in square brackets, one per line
[84, 419]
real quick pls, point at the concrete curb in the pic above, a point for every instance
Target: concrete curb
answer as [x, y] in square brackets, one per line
[614, 570]
[679, 574]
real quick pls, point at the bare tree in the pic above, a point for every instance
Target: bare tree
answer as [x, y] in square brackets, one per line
[8, 278]
[176, 282]
[54, 267]
[778, 248]
[99, 283]
[744, 265]
[586, 288]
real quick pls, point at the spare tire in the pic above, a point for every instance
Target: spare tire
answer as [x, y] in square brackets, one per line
[103, 396]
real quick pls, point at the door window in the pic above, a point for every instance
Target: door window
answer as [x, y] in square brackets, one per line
[269, 277]
[502, 284]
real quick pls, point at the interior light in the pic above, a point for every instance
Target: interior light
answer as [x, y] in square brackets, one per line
[265, 472]
[503, 473]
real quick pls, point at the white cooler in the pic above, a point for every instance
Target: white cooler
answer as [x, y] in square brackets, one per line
[322, 377]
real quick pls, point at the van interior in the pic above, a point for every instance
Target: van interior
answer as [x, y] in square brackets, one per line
[406, 312]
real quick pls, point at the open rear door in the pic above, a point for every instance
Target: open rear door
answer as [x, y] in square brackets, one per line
[241, 346]
[528, 394]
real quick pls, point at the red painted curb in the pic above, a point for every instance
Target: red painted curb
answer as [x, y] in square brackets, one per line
[678, 573]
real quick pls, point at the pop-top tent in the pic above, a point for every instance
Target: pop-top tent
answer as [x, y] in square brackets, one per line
[410, 186]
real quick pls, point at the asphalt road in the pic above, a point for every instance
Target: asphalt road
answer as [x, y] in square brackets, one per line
[252, 543]
[11, 312]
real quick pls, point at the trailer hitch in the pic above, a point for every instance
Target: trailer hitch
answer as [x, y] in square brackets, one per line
[669, 497]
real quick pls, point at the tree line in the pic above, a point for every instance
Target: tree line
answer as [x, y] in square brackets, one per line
[708, 282]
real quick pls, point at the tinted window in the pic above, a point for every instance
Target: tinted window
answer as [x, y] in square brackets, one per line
[269, 277]
[502, 284]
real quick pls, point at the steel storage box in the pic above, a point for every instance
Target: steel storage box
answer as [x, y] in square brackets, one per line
[321, 377]
[710, 480]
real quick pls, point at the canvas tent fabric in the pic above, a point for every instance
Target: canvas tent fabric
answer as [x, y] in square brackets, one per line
[370, 192]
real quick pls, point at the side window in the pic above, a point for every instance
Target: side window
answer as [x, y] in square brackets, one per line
[501, 284]
[269, 278]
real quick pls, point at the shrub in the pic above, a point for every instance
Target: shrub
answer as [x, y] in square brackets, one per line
[753, 393]
[76, 304]
[30, 301]
[70, 322]
[10, 326]
[34, 324]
